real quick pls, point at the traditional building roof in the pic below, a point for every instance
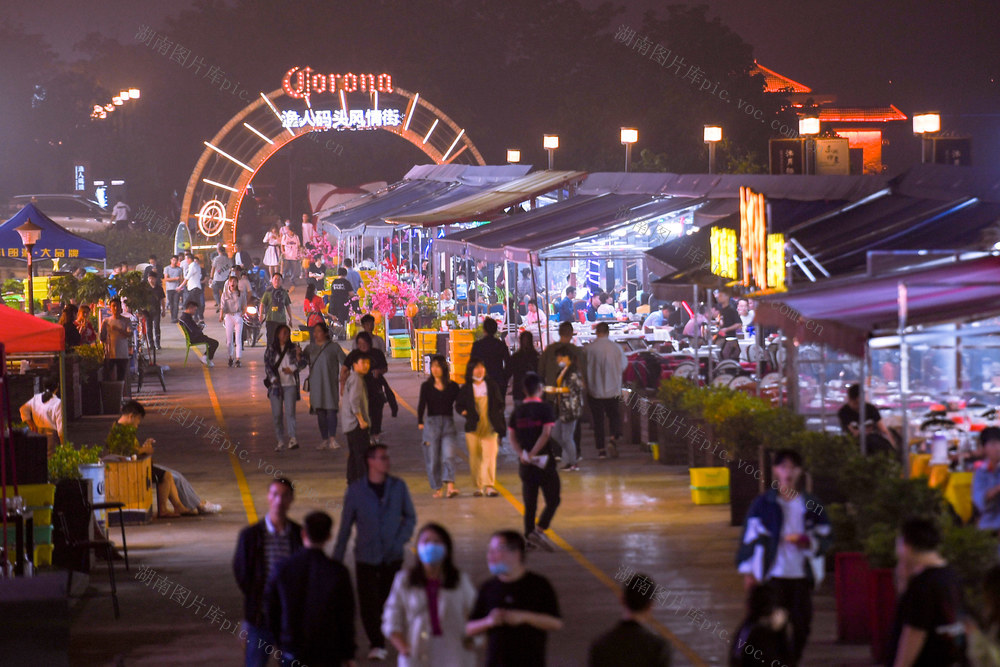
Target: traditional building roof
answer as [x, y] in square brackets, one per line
[776, 83]
[861, 114]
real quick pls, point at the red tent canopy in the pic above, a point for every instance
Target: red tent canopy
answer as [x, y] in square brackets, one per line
[21, 332]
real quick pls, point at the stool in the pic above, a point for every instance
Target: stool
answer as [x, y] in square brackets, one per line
[121, 522]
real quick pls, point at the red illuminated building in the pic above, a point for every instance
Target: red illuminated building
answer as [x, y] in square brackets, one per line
[862, 126]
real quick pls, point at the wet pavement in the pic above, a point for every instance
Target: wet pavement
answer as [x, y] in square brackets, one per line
[180, 603]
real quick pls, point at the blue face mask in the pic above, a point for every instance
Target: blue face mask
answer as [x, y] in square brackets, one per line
[431, 553]
[497, 569]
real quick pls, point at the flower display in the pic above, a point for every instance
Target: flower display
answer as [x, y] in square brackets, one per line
[320, 247]
[386, 292]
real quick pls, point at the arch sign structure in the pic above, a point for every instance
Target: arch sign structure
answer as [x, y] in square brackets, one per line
[307, 102]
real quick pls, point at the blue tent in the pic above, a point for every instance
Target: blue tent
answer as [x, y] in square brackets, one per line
[55, 242]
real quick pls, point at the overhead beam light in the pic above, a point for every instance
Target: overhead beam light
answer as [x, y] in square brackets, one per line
[452, 147]
[428, 135]
[413, 107]
[277, 114]
[227, 156]
[221, 185]
[343, 101]
[375, 102]
[258, 133]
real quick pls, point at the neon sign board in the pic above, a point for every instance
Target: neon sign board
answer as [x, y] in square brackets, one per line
[354, 119]
[302, 82]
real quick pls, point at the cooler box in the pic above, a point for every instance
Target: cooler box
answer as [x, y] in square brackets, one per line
[710, 486]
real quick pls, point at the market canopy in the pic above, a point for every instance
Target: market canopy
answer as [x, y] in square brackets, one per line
[423, 188]
[844, 312]
[21, 333]
[523, 237]
[54, 243]
[491, 200]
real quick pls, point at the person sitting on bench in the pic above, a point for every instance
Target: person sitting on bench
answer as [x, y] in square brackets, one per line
[195, 334]
[171, 485]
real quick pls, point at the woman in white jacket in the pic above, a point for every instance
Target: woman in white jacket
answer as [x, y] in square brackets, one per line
[426, 612]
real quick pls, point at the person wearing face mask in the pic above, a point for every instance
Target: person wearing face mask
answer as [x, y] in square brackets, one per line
[517, 608]
[480, 402]
[425, 614]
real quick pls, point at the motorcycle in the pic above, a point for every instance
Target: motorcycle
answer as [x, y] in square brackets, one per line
[251, 322]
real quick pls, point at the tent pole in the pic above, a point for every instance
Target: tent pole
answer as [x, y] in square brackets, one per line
[534, 288]
[904, 372]
[547, 304]
[62, 394]
[862, 399]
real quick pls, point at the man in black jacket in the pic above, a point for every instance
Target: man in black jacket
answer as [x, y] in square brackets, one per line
[495, 355]
[195, 333]
[310, 602]
[631, 642]
[261, 548]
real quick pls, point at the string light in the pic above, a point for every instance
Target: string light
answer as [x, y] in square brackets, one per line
[775, 260]
[301, 82]
[724, 259]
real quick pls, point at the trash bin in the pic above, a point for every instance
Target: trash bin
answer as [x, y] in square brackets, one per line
[95, 473]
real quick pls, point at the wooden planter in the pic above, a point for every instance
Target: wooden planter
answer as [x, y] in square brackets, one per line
[851, 592]
[130, 482]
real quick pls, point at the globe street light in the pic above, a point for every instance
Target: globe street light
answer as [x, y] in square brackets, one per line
[30, 234]
[924, 124]
[550, 142]
[713, 135]
[629, 135]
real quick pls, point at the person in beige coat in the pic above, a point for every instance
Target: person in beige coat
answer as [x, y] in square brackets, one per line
[425, 614]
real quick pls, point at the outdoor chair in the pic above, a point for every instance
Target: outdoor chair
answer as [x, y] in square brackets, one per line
[188, 344]
[83, 547]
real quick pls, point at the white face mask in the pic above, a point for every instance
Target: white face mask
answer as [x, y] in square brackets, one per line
[562, 364]
[478, 378]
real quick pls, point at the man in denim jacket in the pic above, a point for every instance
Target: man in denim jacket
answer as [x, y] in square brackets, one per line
[784, 538]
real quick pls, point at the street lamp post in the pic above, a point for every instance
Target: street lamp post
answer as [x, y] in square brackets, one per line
[550, 142]
[808, 129]
[629, 135]
[30, 233]
[513, 155]
[923, 125]
[713, 135]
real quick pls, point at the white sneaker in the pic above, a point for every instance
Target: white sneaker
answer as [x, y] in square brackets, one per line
[538, 538]
[377, 655]
[211, 508]
[203, 360]
[280, 446]
[293, 443]
[211, 364]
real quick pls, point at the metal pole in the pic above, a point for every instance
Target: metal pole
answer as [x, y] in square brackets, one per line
[628, 156]
[711, 157]
[31, 280]
[547, 290]
[552, 157]
[862, 399]
[534, 287]
[904, 373]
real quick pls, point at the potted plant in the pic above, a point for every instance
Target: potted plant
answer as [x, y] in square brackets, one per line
[92, 288]
[427, 311]
[450, 318]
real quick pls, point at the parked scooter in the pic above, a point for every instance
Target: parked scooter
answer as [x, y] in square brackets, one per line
[251, 322]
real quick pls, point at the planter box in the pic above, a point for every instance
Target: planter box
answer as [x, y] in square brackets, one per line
[852, 599]
[130, 482]
[881, 608]
[73, 398]
[90, 393]
[112, 392]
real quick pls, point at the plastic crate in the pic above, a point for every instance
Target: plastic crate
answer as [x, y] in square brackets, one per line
[43, 555]
[397, 353]
[701, 477]
[300, 336]
[710, 495]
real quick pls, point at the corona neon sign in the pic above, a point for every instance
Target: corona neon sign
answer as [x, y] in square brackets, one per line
[302, 82]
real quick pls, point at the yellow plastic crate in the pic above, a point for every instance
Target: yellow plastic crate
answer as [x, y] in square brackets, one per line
[397, 353]
[709, 477]
[300, 336]
[43, 555]
[710, 495]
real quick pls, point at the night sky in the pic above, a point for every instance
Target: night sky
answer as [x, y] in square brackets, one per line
[917, 54]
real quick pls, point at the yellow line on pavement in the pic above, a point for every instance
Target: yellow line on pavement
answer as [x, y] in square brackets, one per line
[604, 579]
[241, 479]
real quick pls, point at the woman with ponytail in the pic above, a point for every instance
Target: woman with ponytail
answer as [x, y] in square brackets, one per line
[43, 413]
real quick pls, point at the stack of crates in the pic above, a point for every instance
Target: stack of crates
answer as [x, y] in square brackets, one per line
[399, 347]
[710, 486]
[459, 350]
[426, 346]
[38, 498]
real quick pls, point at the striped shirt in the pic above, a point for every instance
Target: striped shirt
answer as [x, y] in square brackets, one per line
[277, 547]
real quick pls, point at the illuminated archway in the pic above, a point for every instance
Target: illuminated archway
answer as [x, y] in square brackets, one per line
[299, 108]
